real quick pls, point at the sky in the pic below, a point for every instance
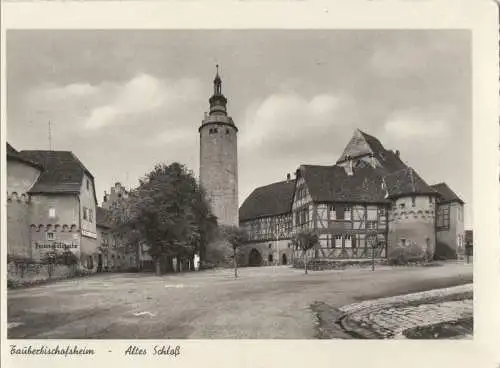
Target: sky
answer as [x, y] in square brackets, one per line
[125, 100]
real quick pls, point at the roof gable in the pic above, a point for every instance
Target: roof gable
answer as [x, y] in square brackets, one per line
[270, 200]
[357, 146]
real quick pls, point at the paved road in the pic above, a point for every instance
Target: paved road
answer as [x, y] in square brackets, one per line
[270, 302]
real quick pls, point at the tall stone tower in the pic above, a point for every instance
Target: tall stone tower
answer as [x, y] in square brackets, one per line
[219, 158]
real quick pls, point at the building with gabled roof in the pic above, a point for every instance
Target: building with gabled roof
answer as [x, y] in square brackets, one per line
[369, 203]
[51, 207]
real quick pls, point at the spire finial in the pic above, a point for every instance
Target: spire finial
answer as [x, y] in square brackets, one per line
[217, 82]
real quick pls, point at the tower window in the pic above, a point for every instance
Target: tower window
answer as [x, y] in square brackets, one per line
[227, 131]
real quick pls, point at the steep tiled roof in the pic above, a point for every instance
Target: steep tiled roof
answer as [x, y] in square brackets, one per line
[406, 182]
[269, 200]
[102, 218]
[446, 194]
[390, 161]
[13, 154]
[62, 171]
[333, 184]
[373, 142]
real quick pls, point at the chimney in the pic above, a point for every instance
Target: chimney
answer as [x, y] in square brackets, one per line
[105, 197]
[397, 153]
[288, 176]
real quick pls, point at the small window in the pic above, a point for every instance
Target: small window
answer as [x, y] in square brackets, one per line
[88, 184]
[270, 245]
[413, 204]
[216, 130]
[52, 212]
[50, 236]
[91, 215]
[119, 195]
[401, 205]
[227, 131]
[403, 242]
[430, 200]
[85, 213]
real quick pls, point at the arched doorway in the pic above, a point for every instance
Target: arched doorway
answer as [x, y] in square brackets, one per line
[283, 259]
[270, 258]
[254, 259]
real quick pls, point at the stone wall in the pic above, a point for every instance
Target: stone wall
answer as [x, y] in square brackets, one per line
[29, 273]
[20, 179]
[64, 238]
[18, 228]
[66, 209]
[279, 251]
[219, 170]
[412, 228]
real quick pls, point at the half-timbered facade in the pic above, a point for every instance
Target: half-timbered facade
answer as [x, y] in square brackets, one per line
[369, 204]
[342, 221]
[267, 218]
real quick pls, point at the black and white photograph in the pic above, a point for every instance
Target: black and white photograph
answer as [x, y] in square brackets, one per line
[239, 184]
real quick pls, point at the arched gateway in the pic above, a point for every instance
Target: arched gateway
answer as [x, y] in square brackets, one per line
[254, 258]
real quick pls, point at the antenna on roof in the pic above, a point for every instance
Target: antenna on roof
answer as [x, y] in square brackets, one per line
[50, 137]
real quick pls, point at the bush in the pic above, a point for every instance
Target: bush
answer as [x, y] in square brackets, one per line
[444, 252]
[405, 255]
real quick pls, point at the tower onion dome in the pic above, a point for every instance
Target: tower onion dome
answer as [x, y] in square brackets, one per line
[218, 101]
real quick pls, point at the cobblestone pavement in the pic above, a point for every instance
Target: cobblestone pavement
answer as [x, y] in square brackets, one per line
[391, 317]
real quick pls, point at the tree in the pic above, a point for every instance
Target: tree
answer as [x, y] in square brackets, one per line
[168, 211]
[305, 239]
[236, 237]
[372, 241]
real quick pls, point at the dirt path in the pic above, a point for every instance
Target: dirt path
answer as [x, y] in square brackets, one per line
[271, 302]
